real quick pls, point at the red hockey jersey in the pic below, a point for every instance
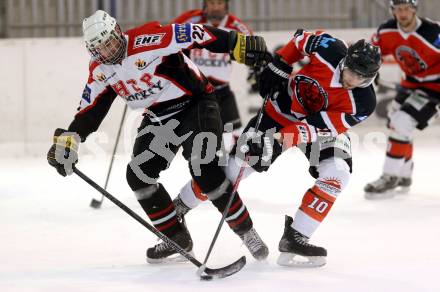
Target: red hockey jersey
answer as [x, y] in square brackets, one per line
[417, 53]
[315, 95]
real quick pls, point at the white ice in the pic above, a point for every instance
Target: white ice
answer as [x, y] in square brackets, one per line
[51, 240]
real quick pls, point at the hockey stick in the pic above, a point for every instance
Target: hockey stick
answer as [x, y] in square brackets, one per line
[234, 189]
[97, 203]
[210, 273]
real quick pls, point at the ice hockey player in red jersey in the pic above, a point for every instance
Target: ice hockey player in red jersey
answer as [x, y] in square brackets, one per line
[311, 109]
[145, 66]
[414, 43]
[217, 67]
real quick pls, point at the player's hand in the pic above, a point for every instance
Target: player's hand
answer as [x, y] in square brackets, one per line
[260, 148]
[298, 133]
[252, 79]
[258, 144]
[274, 78]
[249, 50]
[63, 154]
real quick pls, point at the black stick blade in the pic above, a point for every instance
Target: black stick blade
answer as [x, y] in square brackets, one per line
[224, 272]
[95, 204]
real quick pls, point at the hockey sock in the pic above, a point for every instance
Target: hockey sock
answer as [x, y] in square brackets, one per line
[191, 194]
[407, 168]
[238, 217]
[398, 151]
[409, 152]
[315, 206]
[160, 210]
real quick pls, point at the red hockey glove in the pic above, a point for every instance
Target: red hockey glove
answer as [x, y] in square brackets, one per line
[296, 133]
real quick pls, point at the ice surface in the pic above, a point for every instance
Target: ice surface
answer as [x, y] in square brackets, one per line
[51, 240]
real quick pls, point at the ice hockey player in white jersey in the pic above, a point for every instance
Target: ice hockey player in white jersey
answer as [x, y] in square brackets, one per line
[145, 66]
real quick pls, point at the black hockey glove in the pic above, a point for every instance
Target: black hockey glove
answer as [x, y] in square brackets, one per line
[258, 144]
[248, 50]
[261, 148]
[252, 79]
[274, 78]
[63, 154]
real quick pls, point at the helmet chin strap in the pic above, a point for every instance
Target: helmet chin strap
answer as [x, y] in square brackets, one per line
[367, 82]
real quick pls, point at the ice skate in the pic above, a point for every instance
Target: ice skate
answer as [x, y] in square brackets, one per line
[404, 185]
[255, 244]
[387, 186]
[181, 208]
[165, 253]
[297, 252]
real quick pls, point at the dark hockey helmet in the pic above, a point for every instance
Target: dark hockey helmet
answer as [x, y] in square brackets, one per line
[363, 58]
[414, 3]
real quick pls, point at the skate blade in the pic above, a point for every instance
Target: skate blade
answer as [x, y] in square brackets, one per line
[403, 190]
[260, 257]
[173, 259]
[293, 260]
[379, 196]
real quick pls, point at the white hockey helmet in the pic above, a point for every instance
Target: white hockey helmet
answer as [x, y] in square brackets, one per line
[104, 38]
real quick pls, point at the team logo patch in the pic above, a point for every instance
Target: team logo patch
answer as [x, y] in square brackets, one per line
[86, 94]
[100, 77]
[147, 40]
[325, 41]
[140, 64]
[410, 60]
[182, 32]
[334, 182]
[309, 93]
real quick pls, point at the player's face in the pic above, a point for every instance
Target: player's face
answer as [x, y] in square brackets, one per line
[351, 80]
[109, 52]
[215, 10]
[405, 15]
[108, 49]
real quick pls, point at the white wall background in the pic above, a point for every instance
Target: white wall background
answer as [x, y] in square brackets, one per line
[41, 82]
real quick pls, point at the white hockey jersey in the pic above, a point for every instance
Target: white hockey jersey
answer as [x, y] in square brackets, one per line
[154, 74]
